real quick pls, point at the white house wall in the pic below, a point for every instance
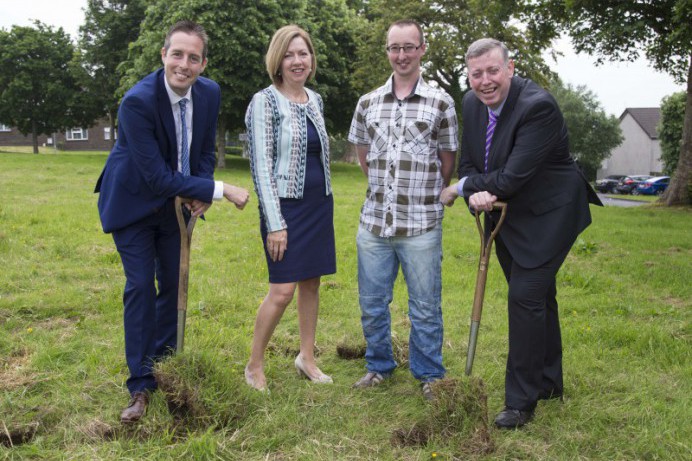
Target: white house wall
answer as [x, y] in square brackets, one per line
[638, 153]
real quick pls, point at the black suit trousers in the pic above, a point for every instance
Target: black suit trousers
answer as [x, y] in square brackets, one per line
[534, 361]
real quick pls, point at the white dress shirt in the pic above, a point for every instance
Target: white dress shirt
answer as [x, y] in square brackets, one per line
[175, 99]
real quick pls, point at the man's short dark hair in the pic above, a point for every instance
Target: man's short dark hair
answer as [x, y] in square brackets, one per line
[408, 22]
[189, 27]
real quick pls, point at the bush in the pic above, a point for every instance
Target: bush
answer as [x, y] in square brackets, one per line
[340, 150]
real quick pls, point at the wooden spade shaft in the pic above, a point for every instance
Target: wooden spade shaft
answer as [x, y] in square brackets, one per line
[185, 240]
[481, 277]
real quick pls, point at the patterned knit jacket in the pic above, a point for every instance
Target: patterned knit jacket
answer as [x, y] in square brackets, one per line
[277, 141]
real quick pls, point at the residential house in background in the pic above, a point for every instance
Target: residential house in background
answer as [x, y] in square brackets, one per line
[640, 151]
[97, 137]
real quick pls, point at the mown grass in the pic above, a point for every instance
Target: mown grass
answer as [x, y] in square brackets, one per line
[625, 297]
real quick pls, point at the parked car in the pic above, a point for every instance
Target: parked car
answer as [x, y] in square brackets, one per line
[652, 186]
[629, 183]
[608, 184]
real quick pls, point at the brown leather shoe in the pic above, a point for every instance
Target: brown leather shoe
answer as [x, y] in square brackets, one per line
[136, 408]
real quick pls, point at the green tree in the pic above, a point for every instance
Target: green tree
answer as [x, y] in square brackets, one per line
[670, 130]
[239, 34]
[622, 31]
[109, 27]
[39, 92]
[450, 27]
[335, 28]
[592, 133]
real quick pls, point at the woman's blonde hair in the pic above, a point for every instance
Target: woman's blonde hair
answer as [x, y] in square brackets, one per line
[277, 49]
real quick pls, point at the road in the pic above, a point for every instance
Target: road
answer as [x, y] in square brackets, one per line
[609, 201]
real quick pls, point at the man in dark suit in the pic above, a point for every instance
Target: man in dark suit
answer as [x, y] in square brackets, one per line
[165, 148]
[515, 149]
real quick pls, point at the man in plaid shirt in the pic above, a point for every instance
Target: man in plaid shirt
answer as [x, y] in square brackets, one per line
[405, 134]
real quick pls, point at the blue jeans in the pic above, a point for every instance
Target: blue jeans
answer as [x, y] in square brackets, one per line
[420, 258]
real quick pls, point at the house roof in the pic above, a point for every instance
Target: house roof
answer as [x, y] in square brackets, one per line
[646, 117]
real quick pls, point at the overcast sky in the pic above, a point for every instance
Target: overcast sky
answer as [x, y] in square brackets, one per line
[616, 85]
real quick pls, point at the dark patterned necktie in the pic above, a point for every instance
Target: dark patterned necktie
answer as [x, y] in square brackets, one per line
[184, 148]
[492, 121]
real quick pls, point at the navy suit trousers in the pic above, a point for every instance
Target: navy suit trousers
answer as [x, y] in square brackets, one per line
[150, 254]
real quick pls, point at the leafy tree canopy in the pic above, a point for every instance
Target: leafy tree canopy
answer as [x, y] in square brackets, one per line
[592, 133]
[239, 34]
[622, 31]
[40, 80]
[109, 27]
[335, 29]
[450, 27]
[670, 130]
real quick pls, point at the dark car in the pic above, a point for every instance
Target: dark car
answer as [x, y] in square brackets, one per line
[608, 184]
[652, 186]
[629, 183]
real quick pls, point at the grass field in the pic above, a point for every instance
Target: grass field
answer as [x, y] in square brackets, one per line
[625, 298]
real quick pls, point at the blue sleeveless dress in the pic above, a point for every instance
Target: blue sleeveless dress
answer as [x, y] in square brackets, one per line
[310, 251]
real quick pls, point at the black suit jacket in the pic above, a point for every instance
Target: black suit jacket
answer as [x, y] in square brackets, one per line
[531, 169]
[141, 171]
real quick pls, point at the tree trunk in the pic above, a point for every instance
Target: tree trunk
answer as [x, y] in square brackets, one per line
[678, 192]
[34, 137]
[221, 143]
[111, 119]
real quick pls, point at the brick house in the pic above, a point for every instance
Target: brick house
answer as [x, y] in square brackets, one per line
[96, 137]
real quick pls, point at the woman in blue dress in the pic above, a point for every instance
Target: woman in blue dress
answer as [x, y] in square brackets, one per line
[289, 159]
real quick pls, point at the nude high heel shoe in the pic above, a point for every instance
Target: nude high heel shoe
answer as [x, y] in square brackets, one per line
[321, 378]
[250, 380]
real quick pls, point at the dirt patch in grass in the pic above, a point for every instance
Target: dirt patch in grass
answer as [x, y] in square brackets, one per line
[350, 350]
[458, 416]
[288, 346]
[55, 323]
[676, 302]
[182, 395]
[13, 436]
[416, 436]
[201, 393]
[14, 370]
[331, 285]
[284, 350]
[98, 430]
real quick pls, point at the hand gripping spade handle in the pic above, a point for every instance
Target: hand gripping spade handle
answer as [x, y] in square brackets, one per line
[486, 246]
[186, 222]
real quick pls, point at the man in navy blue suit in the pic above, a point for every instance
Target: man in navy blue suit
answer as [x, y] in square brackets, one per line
[165, 148]
[515, 148]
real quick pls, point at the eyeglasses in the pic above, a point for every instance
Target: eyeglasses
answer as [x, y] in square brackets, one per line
[408, 49]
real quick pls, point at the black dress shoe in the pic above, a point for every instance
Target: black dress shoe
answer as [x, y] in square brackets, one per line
[509, 418]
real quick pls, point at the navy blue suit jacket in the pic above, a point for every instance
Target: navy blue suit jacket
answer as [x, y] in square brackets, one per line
[141, 172]
[531, 169]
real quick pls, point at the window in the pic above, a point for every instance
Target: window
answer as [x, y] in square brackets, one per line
[77, 134]
[107, 133]
[5, 127]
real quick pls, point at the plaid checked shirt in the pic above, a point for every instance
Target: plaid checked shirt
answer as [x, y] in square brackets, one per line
[404, 176]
